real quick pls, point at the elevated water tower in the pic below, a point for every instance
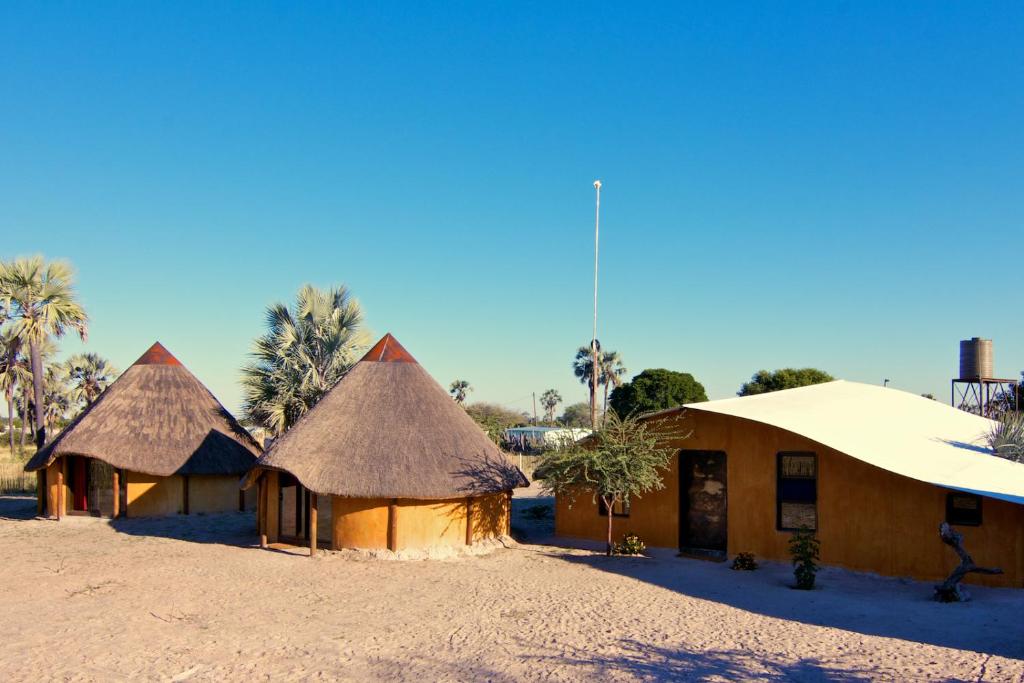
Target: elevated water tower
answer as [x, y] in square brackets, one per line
[977, 390]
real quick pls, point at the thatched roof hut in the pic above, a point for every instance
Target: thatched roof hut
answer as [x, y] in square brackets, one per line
[388, 432]
[156, 418]
[155, 421]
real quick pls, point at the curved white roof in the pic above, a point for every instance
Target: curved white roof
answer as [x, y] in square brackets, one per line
[900, 432]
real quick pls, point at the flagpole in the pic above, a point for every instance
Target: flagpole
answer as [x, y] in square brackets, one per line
[594, 369]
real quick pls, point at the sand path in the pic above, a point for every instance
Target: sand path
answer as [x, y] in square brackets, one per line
[190, 599]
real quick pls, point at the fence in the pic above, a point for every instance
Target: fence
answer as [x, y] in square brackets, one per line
[14, 478]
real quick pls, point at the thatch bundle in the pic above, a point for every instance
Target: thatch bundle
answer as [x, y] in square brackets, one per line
[157, 419]
[388, 430]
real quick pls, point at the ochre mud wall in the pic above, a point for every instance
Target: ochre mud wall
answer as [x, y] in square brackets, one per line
[153, 496]
[212, 494]
[869, 519]
[366, 523]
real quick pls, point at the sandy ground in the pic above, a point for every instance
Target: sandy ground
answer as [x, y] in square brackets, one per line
[191, 599]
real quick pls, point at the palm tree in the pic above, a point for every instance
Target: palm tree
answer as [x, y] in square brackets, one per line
[14, 372]
[40, 300]
[583, 368]
[57, 396]
[306, 350]
[612, 372]
[89, 374]
[550, 400]
[459, 389]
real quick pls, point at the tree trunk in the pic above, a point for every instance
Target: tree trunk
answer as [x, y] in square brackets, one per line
[950, 589]
[609, 504]
[24, 416]
[37, 393]
[10, 418]
[604, 415]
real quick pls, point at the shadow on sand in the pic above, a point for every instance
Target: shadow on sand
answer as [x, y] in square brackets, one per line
[223, 528]
[17, 506]
[648, 662]
[852, 601]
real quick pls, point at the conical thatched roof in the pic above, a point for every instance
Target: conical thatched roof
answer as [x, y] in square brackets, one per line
[388, 430]
[158, 419]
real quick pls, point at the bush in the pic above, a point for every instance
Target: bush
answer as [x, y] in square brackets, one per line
[806, 550]
[1006, 438]
[744, 562]
[631, 545]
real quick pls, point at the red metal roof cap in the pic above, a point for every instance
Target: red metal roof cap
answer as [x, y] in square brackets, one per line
[157, 355]
[388, 350]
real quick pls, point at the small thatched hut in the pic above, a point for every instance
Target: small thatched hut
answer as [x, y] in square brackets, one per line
[156, 442]
[385, 460]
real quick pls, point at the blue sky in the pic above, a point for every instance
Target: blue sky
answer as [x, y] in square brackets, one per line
[789, 184]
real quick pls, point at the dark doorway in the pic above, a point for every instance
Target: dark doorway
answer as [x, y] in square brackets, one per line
[703, 519]
[293, 509]
[78, 472]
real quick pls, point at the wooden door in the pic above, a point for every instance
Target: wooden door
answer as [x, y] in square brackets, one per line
[703, 509]
[79, 468]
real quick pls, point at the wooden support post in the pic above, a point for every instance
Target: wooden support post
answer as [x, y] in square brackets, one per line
[469, 521]
[60, 490]
[312, 523]
[116, 485]
[184, 493]
[261, 509]
[508, 520]
[393, 525]
[41, 492]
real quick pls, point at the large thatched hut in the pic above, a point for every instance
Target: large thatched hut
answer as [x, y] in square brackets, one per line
[385, 460]
[156, 442]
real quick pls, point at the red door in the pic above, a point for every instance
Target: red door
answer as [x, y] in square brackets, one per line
[79, 483]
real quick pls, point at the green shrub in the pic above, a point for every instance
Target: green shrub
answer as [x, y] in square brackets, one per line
[744, 562]
[806, 550]
[631, 545]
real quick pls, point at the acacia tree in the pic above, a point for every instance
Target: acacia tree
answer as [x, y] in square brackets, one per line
[459, 389]
[623, 460]
[550, 400]
[40, 299]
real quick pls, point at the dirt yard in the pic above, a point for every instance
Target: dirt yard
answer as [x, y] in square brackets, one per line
[192, 599]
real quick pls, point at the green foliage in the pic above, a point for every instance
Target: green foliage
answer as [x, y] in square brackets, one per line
[306, 350]
[88, 375]
[550, 400]
[39, 300]
[631, 545]
[459, 389]
[576, 415]
[805, 550]
[744, 562]
[1006, 437]
[622, 461]
[495, 419]
[764, 381]
[656, 389]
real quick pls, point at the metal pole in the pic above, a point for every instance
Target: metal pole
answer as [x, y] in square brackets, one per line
[593, 339]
